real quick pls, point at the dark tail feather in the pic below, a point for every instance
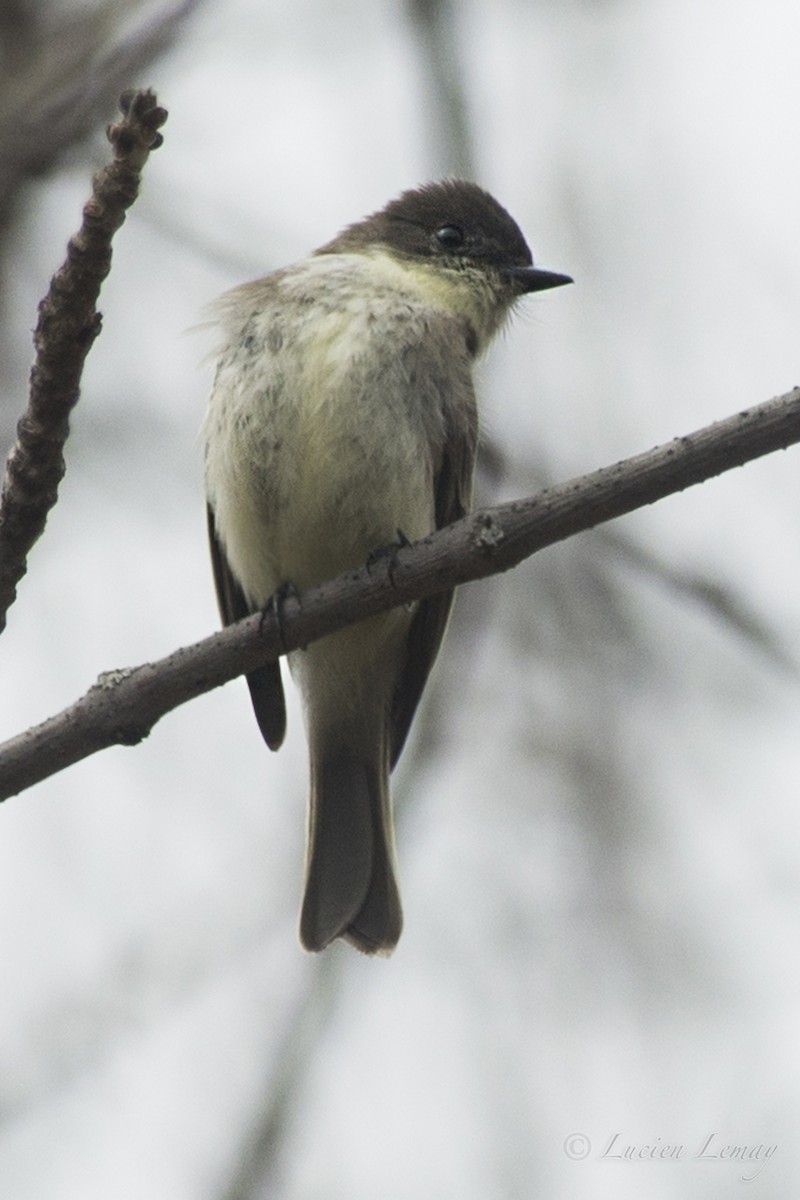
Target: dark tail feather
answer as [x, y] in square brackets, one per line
[266, 692]
[351, 890]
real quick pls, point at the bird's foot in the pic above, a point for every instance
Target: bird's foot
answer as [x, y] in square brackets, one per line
[388, 554]
[274, 607]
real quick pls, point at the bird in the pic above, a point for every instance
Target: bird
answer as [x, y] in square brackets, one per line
[343, 419]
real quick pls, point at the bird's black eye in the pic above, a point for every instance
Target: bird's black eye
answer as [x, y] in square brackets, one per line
[450, 237]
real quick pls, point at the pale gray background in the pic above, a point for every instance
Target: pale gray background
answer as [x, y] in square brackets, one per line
[599, 840]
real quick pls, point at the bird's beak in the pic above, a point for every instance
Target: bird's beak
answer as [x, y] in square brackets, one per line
[534, 279]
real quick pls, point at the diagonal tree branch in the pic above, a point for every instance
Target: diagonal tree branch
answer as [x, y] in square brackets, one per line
[68, 324]
[123, 706]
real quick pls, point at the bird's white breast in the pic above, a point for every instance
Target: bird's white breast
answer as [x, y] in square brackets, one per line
[326, 421]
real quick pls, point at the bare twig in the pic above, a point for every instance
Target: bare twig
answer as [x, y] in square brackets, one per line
[68, 324]
[123, 706]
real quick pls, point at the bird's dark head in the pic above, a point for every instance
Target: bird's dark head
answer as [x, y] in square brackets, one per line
[457, 237]
[453, 224]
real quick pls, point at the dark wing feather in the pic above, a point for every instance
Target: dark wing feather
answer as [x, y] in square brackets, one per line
[266, 686]
[453, 494]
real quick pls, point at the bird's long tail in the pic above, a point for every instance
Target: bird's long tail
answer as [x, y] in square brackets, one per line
[351, 890]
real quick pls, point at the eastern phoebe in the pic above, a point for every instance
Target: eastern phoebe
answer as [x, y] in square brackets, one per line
[343, 413]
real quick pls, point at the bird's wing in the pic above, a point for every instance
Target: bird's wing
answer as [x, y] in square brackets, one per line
[266, 686]
[453, 494]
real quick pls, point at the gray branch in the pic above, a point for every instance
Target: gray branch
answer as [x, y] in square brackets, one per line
[123, 706]
[68, 324]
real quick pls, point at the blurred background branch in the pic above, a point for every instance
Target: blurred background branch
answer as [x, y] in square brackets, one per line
[60, 75]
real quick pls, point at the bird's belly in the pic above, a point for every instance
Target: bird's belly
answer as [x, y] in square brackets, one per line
[338, 515]
[318, 498]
